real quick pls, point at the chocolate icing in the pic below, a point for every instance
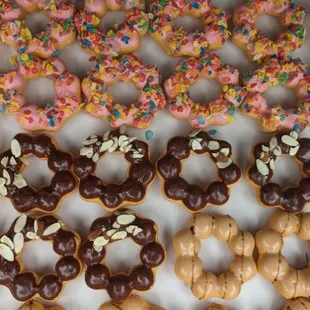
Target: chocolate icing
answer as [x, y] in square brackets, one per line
[292, 199]
[112, 196]
[24, 285]
[193, 197]
[46, 199]
[141, 278]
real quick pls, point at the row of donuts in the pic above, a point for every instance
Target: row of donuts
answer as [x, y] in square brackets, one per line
[158, 22]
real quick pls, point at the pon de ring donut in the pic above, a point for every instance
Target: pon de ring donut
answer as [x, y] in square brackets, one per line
[34, 305]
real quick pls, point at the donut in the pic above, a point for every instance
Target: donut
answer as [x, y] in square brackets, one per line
[178, 42]
[273, 72]
[294, 198]
[217, 307]
[134, 302]
[119, 226]
[14, 186]
[34, 305]
[193, 197]
[187, 73]
[31, 116]
[141, 171]
[127, 68]
[272, 265]
[257, 46]
[59, 32]
[26, 285]
[188, 266]
[298, 304]
[125, 38]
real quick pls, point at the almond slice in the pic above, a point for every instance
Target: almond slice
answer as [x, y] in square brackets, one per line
[105, 146]
[52, 229]
[125, 219]
[137, 231]
[6, 252]
[196, 146]
[213, 145]
[120, 235]
[290, 141]
[4, 161]
[7, 241]
[222, 165]
[18, 243]
[16, 148]
[194, 133]
[122, 139]
[106, 136]
[6, 176]
[100, 241]
[262, 167]
[13, 161]
[20, 223]
[3, 190]
[32, 236]
[111, 232]
[114, 146]
[122, 129]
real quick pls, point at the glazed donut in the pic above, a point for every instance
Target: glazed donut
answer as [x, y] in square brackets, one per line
[273, 72]
[26, 285]
[30, 116]
[188, 72]
[178, 42]
[125, 38]
[188, 266]
[141, 172]
[298, 304]
[134, 302]
[193, 197]
[34, 305]
[292, 199]
[59, 32]
[13, 185]
[128, 68]
[119, 226]
[254, 43]
[272, 265]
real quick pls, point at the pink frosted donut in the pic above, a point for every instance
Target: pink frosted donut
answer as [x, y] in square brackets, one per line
[59, 32]
[128, 68]
[274, 72]
[254, 43]
[188, 72]
[125, 38]
[178, 42]
[30, 116]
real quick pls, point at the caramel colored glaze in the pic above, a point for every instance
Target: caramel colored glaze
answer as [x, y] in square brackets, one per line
[292, 199]
[110, 229]
[47, 198]
[113, 196]
[217, 307]
[193, 197]
[298, 304]
[134, 302]
[34, 305]
[188, 266]
[272, 265]
[26, 285]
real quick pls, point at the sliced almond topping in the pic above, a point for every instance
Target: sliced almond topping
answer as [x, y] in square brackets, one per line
[272, 164]
[85, 151]
[194, 133]
[32, 236]
[6, 252]
[106, 145]
[52, 229]
[3, 190]
[16, 148]
[265, 148]
[100, 241]
[196, 146]
[128, 148]
[95, 158]
[18, 242]
[294, 134]
[122, 129]
[116, 225]
[111, 232]
[106, 136]
[262, 167]
[7, 177]
[98, 248]
[20, 223]
[277, 151]
[131, 228]
[4, 161]
[137, 155]
[19, 181]
[294, 150]
[35, 226]
[6, 240]
[122, 139]
[225, 151]
[288, 140]
[213, 145]
[137, 231]
[223, 165]
[90, 141]
[120, 235]
[114, 146]
[125, 219]
[13, 161]
[2, 181]
[273, 143]
[132, 139]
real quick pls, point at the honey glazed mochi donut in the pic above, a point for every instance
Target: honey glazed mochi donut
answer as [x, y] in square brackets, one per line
[125, 38]
[178, 42]
[188, 266]
[119, 226]
[34, 305]
[134, 302]
[273, 72]
[31, 116]
[128, 68]
[272, 265]
[187, 73]
[26, 285]
[193, 197]
[59, 32]
[13, 185]
[141, 171]
[292, 199]
[254, 43]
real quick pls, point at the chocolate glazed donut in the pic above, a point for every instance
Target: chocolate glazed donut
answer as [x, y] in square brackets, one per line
[140, 175]
[13, 185]
[193, 197]
[119, 226]
[26, 285]
[292, 199]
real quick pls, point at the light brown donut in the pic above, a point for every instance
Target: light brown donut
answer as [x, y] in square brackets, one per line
[297, 304]
[34, 305]
[217, 307]
[188, 267]
[272, 265]
[134, 302]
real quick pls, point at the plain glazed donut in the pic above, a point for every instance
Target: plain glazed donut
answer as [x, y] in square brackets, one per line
[188, 266]
[125, 38]
[30, 116]
[254, 43]
[59, 32]
[177, 42]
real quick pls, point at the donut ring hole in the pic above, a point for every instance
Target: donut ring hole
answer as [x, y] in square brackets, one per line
[111, 20]
[124, 93]
[189, 23]
[7, 53]
[36, 22]
[269, 25]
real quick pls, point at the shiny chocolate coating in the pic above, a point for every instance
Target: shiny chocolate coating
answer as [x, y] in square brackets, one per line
[112, 196]
[141, 278]
[25, 285]
[193, 197]
[294, 198]
[47, 198]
